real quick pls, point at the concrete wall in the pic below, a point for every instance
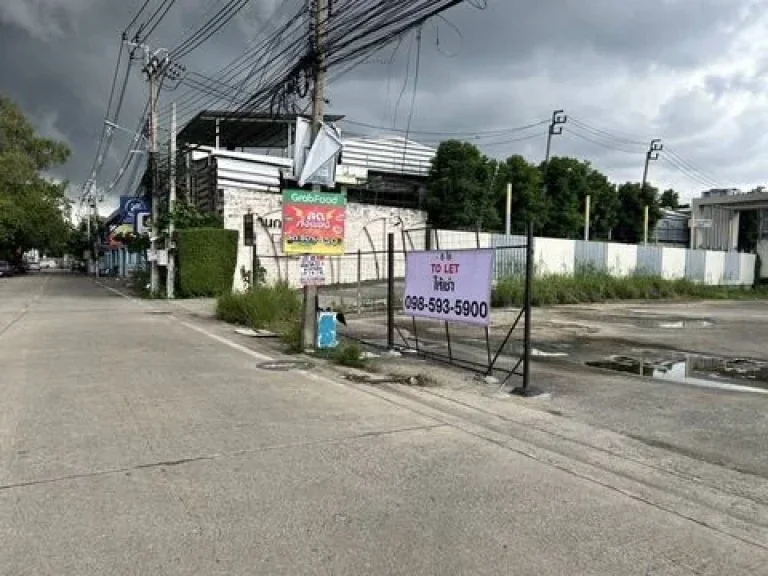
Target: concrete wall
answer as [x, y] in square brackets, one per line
[673, 263]
[762, 252]
[367, 228]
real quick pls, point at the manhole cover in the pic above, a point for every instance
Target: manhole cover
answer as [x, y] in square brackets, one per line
[285, 365]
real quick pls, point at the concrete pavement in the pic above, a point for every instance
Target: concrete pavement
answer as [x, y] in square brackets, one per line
[133, 442]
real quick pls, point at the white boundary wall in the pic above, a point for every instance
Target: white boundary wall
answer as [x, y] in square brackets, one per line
[367, 227]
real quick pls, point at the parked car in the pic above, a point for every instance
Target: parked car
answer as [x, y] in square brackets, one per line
[5, 268]
[33, 266]
[48, 264]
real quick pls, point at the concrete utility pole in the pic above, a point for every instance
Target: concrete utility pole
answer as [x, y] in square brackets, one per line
[170, 279]
[309, 319]
[155, 66]
[645, 224]
[653, 154]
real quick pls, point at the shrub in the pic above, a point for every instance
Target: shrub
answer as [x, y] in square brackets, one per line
[269, 307]
[207, 261]
[348, 355]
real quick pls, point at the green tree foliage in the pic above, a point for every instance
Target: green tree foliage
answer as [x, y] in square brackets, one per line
[207, 261]
[527, 193]
[605, 206]
[461, 186]
[670, 199]
[467, 189]
[33, 209]
[633, 200]
[568, 182]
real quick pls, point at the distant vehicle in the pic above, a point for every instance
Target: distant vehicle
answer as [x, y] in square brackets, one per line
[5, 269]
[47, 264]
[33, 266]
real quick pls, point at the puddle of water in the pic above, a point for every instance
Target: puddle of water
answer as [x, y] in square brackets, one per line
[737, 374]
[661, 323]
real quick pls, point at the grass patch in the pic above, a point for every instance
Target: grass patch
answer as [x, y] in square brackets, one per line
[349, 355]
[276, 308]
[597, 286]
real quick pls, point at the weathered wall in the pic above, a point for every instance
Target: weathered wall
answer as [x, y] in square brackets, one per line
[367, 227]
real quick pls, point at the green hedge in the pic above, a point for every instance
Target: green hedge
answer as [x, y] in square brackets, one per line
[207, 261]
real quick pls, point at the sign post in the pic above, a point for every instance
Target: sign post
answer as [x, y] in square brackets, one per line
[449, 285]
[313, 225]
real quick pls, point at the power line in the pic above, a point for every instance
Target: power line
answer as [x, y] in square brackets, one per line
[574, 132]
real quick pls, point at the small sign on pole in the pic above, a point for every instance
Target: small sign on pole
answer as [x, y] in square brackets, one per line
[312, 270]
[248, 229]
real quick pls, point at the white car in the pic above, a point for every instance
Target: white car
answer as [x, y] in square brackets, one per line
[47, 264]
[33, 266]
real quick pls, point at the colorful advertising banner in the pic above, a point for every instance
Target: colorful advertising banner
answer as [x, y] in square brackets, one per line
[313, 222]
[451, 285]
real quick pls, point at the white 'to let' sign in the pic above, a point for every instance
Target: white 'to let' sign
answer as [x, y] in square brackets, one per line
[450, 285]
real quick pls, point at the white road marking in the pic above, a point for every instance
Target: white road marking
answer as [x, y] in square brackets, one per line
[226, 342]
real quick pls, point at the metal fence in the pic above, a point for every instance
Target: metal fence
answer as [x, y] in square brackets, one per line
[369, 286]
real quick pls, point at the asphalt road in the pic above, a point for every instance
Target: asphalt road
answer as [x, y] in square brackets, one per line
[133, 442]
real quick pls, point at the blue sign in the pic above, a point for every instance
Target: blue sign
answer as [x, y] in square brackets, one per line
[326, 330]
[131, 206]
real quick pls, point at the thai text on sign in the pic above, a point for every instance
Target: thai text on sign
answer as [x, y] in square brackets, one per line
[313, 222]
[450, 285]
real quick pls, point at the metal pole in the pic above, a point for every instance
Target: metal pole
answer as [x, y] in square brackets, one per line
[587, 208]
[508, 218]
[391, 291]
[359, 282]
[528, 304]
[170, 279]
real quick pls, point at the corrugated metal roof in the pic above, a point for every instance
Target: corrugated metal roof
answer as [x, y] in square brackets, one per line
[394, 155]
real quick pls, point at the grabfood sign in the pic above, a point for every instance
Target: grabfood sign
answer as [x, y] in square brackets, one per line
[313, 222]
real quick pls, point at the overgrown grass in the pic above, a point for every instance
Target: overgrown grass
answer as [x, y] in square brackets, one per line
[348, 355]
[597, 286]
[276, 308]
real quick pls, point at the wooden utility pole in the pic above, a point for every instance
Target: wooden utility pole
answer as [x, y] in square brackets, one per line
[321, 13]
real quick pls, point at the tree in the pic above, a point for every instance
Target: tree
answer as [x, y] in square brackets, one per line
[33, 209]
[634, 199]
[527, 193]
[670, 199]
[605, 206]
[567, 189]
[460, 191]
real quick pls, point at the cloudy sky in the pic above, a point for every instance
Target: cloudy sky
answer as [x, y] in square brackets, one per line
[691, 72]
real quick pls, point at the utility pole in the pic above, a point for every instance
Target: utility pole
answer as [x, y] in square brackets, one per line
[555, 129]
[155, 66]
[653, 154]
[170, 279]
[321, 14]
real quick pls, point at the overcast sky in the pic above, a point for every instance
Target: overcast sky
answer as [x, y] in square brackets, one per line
[692, 72]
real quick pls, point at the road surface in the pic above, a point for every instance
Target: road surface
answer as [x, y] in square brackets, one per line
[137, 442]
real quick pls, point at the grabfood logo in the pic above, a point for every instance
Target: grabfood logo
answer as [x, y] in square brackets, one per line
[310, 198]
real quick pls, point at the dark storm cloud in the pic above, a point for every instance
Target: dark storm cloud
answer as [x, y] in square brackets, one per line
[618, 64]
